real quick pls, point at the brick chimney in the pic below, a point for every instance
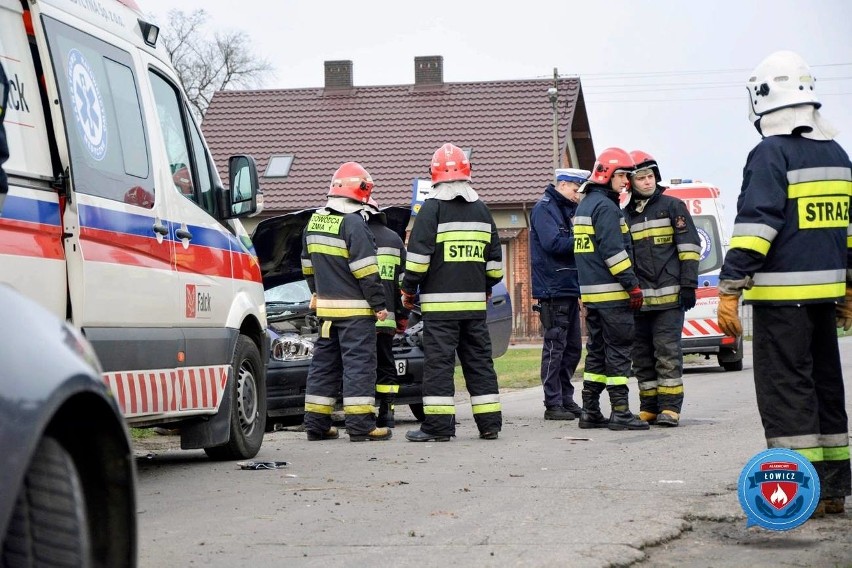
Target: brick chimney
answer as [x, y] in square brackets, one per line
[429, 70]
[338, 74]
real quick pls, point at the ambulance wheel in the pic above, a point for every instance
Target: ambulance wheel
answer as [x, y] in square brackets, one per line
[49, 519]
[248, 405]
[417, 411]
[733, 365]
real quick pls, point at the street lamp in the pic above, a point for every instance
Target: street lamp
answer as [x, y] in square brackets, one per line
[552, 94]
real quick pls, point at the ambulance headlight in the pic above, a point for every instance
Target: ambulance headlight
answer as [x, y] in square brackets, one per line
[291, 347]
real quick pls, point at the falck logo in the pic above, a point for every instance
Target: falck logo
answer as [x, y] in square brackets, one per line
[778, 489]
[191, 306]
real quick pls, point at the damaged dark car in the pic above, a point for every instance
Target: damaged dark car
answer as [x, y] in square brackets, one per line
[293, 326]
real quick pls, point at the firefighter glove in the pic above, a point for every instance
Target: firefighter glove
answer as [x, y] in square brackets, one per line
[844, 311]
[636, 298]
[408, 300]
[401, 324]
[728, 315]
[687, 298]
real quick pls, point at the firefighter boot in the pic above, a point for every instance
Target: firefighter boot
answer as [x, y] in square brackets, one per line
[385, 416]
[330, 434]
[591, 416]
[668, 418]
[375, 435]
[621, 417]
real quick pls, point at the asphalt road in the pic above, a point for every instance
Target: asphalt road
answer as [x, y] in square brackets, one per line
[543, 494]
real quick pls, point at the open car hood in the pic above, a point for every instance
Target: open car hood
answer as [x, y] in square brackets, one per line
[278, 243]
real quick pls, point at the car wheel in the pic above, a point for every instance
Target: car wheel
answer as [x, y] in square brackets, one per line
[417, 411]
[248, 405]
[49, 519]
[733, 365]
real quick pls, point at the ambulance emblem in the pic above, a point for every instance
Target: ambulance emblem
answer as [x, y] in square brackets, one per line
[89, 109]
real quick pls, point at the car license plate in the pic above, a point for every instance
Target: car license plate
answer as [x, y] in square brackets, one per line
[401, 366]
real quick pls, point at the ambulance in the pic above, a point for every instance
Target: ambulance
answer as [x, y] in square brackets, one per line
[116, 220]
[701, 334]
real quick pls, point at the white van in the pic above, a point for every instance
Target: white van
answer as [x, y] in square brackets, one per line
[116, 220]
[701, 334]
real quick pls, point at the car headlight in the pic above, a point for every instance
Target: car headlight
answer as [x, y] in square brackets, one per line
[291, 347]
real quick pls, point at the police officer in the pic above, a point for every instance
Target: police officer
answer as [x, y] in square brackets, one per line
[790, 258]
[4, 146]
[454, 259]
[609, 290]
[666, 249]
[340, 266]
[555, 286]
[391, 258]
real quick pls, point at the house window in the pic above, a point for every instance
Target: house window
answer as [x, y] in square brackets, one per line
[279, 166]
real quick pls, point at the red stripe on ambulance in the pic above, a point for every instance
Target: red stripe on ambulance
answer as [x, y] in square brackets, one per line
[158, 392]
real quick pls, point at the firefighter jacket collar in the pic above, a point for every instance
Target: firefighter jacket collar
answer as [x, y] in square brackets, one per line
[344, 205]
[806, 118]
[449, 190]
[636, 198]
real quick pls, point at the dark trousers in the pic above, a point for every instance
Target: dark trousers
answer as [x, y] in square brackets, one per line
[561, 351]
[610, 339]
[442, 340]
[347, 354]
[387, 381]
[658, 359]
[799, 385]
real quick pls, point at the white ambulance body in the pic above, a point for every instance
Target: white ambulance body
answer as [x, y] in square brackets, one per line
[116, 220]
[701, 333]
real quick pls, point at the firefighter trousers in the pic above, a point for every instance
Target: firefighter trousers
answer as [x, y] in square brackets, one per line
[561, 350]
[345, 351]
[387, 382]
[469, 338]
[610, 338]
[799, 385]
[658, 359]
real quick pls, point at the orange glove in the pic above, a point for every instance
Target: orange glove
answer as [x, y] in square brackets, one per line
[844, 311]
[728, 314]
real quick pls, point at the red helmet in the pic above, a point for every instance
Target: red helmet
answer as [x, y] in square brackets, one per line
[645, 161]
[449, 164]
[609, 162]
[353, 181]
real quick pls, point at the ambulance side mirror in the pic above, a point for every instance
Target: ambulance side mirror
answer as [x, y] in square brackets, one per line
[243, 197]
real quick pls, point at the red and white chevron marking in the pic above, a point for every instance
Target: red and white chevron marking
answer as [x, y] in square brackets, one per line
[701, 328]
[166, 391]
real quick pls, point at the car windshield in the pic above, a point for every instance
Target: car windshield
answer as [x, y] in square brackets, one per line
[290, 293]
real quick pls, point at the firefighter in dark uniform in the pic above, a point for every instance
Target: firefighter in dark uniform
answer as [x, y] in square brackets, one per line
[790, 257]
[666, 249]
[4, 146]
[609, 290]
[390, 253]
[340, 266]
[555, 286]
[454, 259]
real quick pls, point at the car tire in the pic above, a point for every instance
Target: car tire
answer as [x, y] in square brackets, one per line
[248, 405]
[49, 522]
[417, 411]
[732, 365]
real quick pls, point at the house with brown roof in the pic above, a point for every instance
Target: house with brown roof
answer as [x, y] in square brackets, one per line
[514, 132]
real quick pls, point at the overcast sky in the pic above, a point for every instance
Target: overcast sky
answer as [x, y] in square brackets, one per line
[667, 77]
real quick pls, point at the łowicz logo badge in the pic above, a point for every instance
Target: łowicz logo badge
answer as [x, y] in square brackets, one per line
[778, 489]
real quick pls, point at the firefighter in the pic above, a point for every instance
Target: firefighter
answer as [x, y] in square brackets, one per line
[454, 259]
[609, 290]
[666, 249]
[555, 286]
[391, 258]
[790, 257]
[340, 266]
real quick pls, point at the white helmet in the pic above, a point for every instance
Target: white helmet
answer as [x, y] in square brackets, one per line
[781, 80]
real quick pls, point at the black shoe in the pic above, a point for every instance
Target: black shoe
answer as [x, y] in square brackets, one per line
[330, 434]
[558, 413]
[592, 420]
[626, 420]
[488, 435]
[573, 408]
[421, 436]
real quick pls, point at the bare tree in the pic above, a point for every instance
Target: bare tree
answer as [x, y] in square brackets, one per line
[206, 64]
